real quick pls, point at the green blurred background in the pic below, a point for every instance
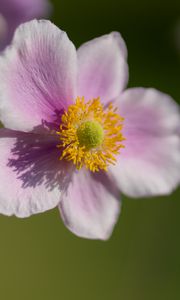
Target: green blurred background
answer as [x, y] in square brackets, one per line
[39, 258]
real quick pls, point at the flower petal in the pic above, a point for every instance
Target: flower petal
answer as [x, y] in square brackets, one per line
[31, 175]
[90, 206]
[38, 74]
[150, 162]
[103, 70]
[16, 12]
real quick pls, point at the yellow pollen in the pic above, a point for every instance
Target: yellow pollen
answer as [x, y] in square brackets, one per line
[90, 135]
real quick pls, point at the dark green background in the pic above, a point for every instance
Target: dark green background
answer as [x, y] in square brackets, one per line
[39, 258]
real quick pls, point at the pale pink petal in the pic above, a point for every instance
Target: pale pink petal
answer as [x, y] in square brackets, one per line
[91, 205]
[38, 75]
[103, 69]
[32, 177]
[150, 162]
[28, 9]
[15, 12]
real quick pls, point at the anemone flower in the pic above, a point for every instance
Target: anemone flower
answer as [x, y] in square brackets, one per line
[73, 138]
[15, 12]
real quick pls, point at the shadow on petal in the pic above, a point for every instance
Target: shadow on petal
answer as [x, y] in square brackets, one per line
[34, 158]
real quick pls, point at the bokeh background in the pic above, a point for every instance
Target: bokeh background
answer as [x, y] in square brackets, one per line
[39, 258]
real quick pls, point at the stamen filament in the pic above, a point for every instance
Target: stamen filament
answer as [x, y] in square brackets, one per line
[90, 135]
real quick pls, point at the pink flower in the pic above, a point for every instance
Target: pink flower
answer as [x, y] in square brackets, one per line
[66, 150]
[15, 12]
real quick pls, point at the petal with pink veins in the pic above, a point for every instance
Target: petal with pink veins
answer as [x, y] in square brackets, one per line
[90, 206]
[150, 162]
[32, 176]
[38, 75]
[103, 69]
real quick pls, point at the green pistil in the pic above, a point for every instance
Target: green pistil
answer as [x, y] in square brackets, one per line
[90, 134]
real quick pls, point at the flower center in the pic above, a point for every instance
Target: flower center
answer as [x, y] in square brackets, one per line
[90, 135]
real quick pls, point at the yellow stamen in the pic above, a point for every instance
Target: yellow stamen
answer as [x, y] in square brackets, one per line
[90, 134]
